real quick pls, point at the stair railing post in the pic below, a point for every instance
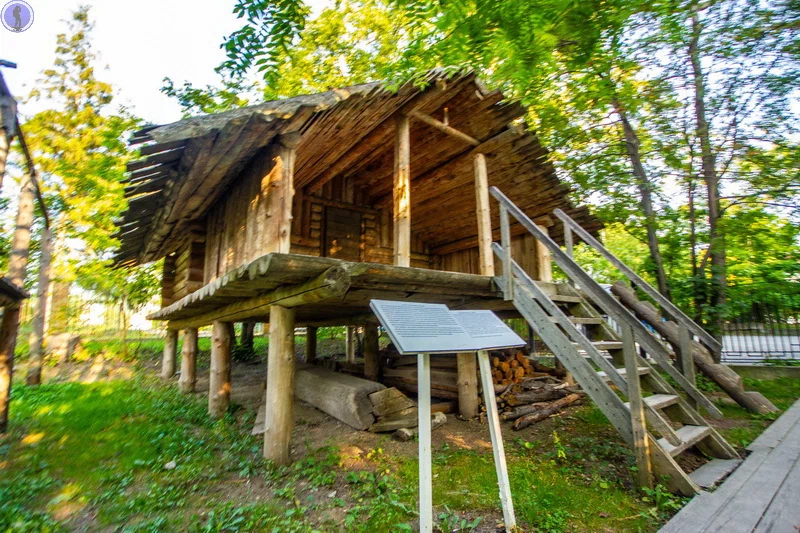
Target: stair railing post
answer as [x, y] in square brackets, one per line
[505, 239]
[641, 448]
[569, 245]
[687, 358]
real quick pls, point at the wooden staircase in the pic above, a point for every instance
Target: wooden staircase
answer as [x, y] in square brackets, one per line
[659, 422]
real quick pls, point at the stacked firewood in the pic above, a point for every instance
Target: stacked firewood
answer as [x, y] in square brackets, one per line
[526, 391]
[511, 366]
[534, 399]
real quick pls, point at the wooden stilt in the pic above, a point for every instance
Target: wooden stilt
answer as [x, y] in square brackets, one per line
[641, 446]
[311, 344]
[371, 355]
[280, 385]
[468, 400]
[425, 468]
[168, 359]
[350, 344]
[402, 193]
[188, 378]
[219, 379]
[493, 418]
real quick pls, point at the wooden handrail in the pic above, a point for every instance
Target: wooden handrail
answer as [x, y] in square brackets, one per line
[606, 301]
[670, 308]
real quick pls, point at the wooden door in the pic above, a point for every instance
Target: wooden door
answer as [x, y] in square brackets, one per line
[342, 234]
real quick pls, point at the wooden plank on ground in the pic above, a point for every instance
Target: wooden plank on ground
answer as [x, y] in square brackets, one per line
[773, 435]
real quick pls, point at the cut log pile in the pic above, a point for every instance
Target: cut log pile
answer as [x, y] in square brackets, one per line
[397, 413]
[527, 391]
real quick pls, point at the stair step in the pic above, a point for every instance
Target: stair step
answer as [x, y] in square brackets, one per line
[582, 320]
[608, 345]
[659, 401]
[714, 471]
[690, 435]
[643, 371]
[564, 298]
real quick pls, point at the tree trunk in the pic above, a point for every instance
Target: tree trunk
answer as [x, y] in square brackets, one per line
[697, 294]
[646, 198]
[4, 145]
[17, 266]
[37, 335]
[716, 243]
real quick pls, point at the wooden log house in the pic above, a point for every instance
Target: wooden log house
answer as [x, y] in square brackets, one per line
[297, 212]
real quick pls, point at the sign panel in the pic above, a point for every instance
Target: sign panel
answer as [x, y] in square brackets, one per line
[433, 328]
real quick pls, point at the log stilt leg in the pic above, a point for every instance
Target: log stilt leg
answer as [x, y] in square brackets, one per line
[188, 378]
[350, 343]
[280, 385]
[168, 359]
[311, 344]
[468, 400]
[219, 382]
[371, 356]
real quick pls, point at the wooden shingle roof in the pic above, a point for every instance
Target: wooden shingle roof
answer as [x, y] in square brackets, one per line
[345, 132]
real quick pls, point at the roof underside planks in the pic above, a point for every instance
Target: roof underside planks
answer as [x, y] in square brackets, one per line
[346, 132]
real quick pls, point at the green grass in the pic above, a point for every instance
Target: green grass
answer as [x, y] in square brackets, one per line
[94, 456]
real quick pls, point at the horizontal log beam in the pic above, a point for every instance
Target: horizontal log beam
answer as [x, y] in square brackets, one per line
[444, 128]
[332, 283]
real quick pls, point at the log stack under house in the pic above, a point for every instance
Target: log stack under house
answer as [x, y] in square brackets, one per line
[298, 212]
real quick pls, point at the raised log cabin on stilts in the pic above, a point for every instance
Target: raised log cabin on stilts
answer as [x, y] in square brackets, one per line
[298, 212]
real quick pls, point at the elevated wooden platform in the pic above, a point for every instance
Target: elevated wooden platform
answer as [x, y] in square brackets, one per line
[324, 291]
[761, 495]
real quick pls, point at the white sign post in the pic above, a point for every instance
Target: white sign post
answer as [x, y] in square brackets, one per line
[421, 329]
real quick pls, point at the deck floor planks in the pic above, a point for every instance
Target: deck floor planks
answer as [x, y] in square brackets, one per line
[761, 495]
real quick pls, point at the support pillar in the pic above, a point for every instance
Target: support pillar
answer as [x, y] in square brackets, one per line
[371, 353]
[219, 379]
[168, 359]
[188, 378]
[544, 261]
[485, 254]
[402, 193]
[311, 344]
[280, 385]
[350, 344]
[468, 400]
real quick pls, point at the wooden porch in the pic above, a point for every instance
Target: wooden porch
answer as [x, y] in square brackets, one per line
[325, 291]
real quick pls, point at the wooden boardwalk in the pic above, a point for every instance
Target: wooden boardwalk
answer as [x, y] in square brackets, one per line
[763, 493]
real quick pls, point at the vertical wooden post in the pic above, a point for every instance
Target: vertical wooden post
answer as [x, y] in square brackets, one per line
[467, 385]
[168, 359]
[505, 240]
[402, 193]
[498, 449]
[544, 262]
[188, 378]
[280, 385]
[467, 367]
[350, 344]
[687, 359]
[425, 468]
[486, 257]
[311, 344]
[219, 378]
[641, 446]
[371, 353]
